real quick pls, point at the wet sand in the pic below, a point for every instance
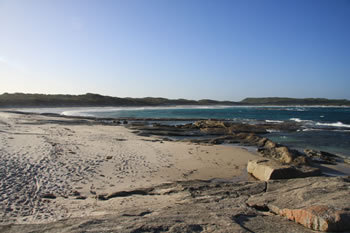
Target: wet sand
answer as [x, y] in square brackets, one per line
[56, 168]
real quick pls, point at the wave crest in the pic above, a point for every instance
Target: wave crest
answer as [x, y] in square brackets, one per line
[337, 124]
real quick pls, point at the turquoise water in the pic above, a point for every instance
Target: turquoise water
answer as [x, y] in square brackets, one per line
[316, 114]
[324, 128]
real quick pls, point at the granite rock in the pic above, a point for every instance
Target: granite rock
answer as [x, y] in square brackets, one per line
[265, 169]
[318, 203]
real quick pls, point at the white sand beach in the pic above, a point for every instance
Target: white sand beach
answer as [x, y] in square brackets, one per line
[55, 168]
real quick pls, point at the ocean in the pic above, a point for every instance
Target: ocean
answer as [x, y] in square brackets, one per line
[324, 128]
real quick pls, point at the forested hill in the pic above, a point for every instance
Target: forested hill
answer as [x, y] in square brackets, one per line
[89, 100]
[295, 101]
[42, 100]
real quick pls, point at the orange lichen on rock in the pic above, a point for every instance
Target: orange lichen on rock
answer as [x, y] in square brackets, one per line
[319, 217]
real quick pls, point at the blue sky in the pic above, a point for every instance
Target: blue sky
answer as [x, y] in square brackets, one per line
[223, 49]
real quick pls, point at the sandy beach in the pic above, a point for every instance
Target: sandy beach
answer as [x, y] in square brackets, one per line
[56, 168]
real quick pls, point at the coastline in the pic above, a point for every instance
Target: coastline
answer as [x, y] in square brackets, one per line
[66, 160]
[76, 174]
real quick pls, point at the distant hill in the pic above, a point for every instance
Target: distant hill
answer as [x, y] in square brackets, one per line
[96, 100]
[295, 101]
[89, 99]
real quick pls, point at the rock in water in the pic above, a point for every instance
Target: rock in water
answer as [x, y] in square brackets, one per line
[281, 153]
[319, 203]
[321, 156]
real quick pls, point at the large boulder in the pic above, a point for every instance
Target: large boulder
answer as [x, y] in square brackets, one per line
[265, 169]
[319, 203]
[281, 153]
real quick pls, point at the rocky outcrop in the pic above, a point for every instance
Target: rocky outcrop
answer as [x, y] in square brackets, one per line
[316, 203]
[210, 124]
[265, 170]
[214, 131]
[321, 156]
[229, 127]
[235, 127]
[219, 132]
[189, 206]
[281, 153]
[319, 203]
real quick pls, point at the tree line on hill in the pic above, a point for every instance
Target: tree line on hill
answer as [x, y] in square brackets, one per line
[96, 100]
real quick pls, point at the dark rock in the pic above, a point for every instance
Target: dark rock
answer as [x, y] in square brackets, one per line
[283, 126]
[76, 193]
[214, 131]
[49, 196]
[321, 156]
[213, 126]
[246, 128]
[102, 196]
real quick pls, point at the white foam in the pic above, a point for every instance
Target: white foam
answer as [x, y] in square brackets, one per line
[300, 120]
[89, 111]
[273, 130]
[338, 124]
[297, 120]
[308, 129]
[273, 121]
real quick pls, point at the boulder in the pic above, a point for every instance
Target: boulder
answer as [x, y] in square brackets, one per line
[318, 203]
[261, 142]
[281, 153]
[284, 154]
[265, 169]
[270, 145]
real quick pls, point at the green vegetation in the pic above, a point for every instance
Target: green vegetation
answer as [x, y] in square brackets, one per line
[294, 101]
[42, 100]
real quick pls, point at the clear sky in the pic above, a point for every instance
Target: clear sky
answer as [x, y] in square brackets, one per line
[218, 49]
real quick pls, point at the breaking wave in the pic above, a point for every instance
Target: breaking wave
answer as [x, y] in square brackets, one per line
[337, 124]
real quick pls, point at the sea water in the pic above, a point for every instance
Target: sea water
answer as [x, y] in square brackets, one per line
[323, 128]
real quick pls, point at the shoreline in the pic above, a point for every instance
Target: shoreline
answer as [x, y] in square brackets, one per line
[61, 167]
[63, 174]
